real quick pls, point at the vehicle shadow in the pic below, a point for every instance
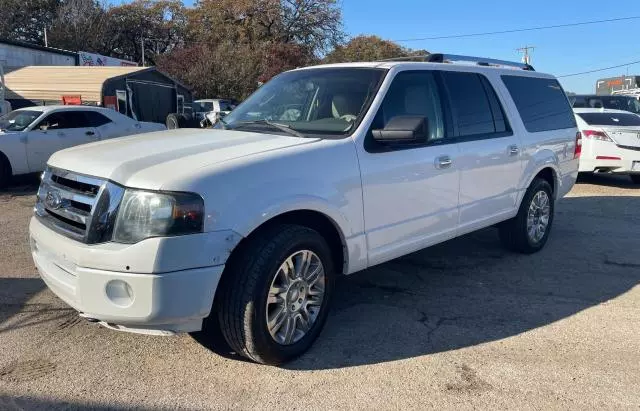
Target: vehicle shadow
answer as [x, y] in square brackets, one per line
[11, 403]
[22, 185]
[14, 296]
[470, 291]
[604, 179]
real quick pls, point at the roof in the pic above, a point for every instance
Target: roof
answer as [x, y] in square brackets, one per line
[600, 110]
[600, 95]
[430, 66]
[52, 82]
[38, 47]
[46, 109]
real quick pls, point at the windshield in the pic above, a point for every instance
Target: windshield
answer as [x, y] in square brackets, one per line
[203, 106]
[18, 120]
[315, 101]
[611, 119]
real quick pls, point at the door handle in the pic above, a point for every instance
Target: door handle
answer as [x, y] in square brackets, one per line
[514, 150]
[90, 133]
[443, 162]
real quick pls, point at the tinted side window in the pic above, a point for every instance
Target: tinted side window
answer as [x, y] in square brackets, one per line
[541, 103]
[413, 93]
[62, 120]
[499, 120]
[95, 119]
[469, 103]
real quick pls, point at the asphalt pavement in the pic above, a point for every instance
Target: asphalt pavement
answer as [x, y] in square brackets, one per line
[462, 325]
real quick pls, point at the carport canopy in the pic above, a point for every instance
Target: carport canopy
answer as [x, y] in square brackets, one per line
[50, 83]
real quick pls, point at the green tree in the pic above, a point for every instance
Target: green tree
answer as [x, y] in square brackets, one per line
[26, 20]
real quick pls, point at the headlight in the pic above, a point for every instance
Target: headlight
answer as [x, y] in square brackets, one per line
[145, 214]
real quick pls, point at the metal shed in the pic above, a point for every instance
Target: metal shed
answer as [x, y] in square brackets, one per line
[143, 93]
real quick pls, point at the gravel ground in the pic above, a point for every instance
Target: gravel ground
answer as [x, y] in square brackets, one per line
[461, 325]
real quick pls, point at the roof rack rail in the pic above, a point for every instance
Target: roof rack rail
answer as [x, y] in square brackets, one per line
[449, 58]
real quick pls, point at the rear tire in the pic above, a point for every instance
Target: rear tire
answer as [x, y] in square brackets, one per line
[529, 230]
[173, 121]
[635, 178]
[258, 290]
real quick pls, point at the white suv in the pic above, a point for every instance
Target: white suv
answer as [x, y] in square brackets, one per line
[324, 171]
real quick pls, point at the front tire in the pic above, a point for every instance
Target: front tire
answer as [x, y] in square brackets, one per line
[275, 298]
[528, 232]
[5, 172]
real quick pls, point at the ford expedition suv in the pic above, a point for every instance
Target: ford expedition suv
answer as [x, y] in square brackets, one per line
[241, 231]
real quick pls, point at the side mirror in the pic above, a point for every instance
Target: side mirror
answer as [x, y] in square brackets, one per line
[403, 130]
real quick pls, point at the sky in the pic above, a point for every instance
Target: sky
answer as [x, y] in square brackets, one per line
[558, 51]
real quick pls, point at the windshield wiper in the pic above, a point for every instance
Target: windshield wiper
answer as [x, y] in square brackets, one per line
[282, 127]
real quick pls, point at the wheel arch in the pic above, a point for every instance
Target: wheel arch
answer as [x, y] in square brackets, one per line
[5, 159]
[314, 219]
[549, 173]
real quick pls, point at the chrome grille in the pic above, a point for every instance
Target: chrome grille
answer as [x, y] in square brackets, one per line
[78, 206]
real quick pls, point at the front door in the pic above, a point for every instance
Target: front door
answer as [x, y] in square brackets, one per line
[410, 193]
[57, 131]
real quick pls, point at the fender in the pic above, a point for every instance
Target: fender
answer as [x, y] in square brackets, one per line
[14, 148]
[279, 206]
[542, 159]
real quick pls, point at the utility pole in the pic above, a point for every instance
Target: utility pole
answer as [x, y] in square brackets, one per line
[526, 57]
[46, 42]
[142, 45]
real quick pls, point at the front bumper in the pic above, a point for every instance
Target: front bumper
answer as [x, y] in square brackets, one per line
[161, 302]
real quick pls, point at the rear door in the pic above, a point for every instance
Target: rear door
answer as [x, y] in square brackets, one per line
[56, 131]
[489, 152]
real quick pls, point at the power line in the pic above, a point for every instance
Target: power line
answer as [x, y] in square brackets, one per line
[600, 69]
[490, 33]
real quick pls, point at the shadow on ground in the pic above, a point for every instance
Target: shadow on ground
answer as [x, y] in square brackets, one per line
[604, 179]
[469, 291]
[23, 185]
[11, 403]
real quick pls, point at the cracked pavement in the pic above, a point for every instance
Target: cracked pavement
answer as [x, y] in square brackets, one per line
[461, 325]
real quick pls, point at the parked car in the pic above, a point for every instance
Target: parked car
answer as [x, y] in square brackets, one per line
[205, 113]
[30, 135]
[241, 231]
[610, 142]
[619, 102]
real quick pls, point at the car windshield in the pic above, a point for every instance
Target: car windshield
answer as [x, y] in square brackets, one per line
[614, 103]
[18, 120]
[227, 105]
[611, 119]
[320, 101]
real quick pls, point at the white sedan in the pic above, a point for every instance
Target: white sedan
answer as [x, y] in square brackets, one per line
[29, 136]
[610, 142]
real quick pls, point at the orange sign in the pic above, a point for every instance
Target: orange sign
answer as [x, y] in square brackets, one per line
[72, 100]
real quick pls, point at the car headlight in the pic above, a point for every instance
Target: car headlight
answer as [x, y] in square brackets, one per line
[145, 214]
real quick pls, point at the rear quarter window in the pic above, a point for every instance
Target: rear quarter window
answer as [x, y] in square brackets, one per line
[610, 119]
[541, 102]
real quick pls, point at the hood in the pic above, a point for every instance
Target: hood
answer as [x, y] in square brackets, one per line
[149, 160]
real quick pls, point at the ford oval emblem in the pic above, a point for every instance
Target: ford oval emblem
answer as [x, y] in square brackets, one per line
[53, 200]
